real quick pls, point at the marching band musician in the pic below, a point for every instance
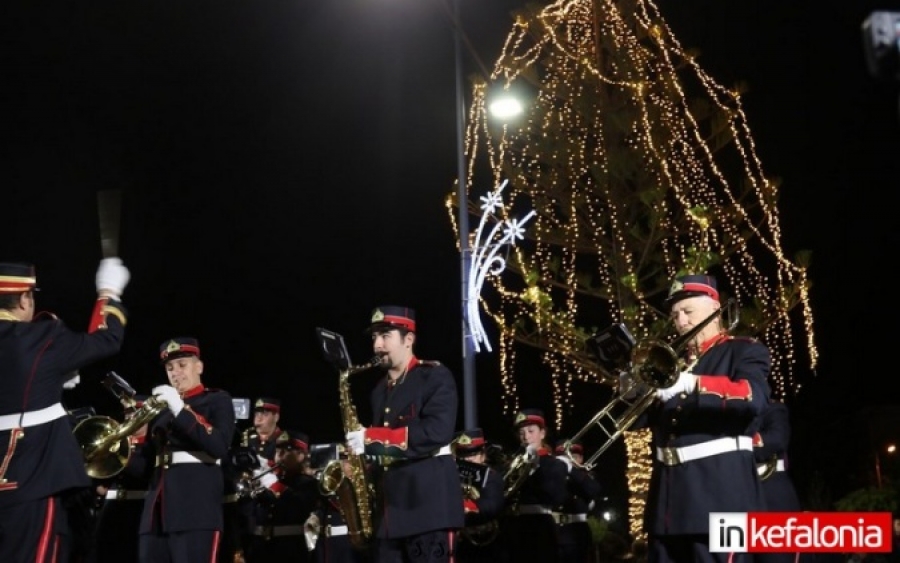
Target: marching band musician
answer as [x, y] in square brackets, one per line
[530, 529]
[483, 511]
[702, 436]
[583, 491]
[770, 445]
[327, 528]
[419, 496]
[41, 459]
[182, 519]
[260, 440]
[285, 498]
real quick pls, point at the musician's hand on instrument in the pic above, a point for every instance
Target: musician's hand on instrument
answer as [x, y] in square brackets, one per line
[170, 395]
[268, 480]
[686, 383]
[356, 442]
[112, 277]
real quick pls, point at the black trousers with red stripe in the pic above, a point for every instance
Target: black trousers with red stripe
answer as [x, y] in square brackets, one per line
[34, 532]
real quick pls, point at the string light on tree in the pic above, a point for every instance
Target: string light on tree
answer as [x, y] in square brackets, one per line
[640, 167]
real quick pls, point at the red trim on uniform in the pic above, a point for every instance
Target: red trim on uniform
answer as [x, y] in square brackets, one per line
[215, 546]
[404, 322]
[47, 531]
[413, 362]
[451, 542]
[389, 437]
[712, 341]
[574, 448]
[542, 451]
[701, 288]
[469, 505]
[724, 387]
[98, 319]
[193, 391]
[278, 487]
[757, 440]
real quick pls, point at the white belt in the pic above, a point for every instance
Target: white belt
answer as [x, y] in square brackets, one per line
[121, 494]
[32, 418]
[278, 531]
[443, 450]
[332, 531]
[174, 458]
[677, 456]
[564, 518]
[533, 509]
[762, 467]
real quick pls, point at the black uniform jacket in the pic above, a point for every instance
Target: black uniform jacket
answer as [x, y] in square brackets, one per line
[770, 446]
[187, 495]
[36, 358]
[732, 391]
[413, 421]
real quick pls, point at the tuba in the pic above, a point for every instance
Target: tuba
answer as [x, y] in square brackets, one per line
[353, 492]
[654, 365]
[104, 442]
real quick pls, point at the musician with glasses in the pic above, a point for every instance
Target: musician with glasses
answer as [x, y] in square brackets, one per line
[40, 458]
[182, 521]
[419, 504]
[702, 429]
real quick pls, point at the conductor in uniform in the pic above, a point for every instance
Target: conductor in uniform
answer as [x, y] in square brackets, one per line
[40, 459]
[418, 491]
[182, 519]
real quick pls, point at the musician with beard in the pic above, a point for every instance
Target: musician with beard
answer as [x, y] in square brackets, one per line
[418, 492]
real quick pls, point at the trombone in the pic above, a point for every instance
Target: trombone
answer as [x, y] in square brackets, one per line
[654, 365]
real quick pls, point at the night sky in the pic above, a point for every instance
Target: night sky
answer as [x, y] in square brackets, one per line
[284, 165]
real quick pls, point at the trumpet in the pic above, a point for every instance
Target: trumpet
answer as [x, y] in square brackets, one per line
[250, 486]
[654, 365]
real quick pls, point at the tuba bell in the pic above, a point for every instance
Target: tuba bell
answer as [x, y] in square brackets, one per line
[654, 365]
[104, 441]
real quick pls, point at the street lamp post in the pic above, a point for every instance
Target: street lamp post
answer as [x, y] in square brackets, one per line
[465, 248]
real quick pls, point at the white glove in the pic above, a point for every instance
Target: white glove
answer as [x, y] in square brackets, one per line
[112, 276]
[568, 461]
[72, 382]
[686, 383]
[263, 462]
[531, 454]
[356, 441]
[170, 395]
[268, 480]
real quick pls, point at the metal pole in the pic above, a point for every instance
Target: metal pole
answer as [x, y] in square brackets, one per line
[465, 250]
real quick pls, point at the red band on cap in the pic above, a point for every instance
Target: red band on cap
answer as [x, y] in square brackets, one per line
[183, 349]
[701, 288]
[269, 407]
[10, 284]
[401, 321]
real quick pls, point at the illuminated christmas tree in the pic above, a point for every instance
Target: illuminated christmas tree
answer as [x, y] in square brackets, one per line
[640, 167]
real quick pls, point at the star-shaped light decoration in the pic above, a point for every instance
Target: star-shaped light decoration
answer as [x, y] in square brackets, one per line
[486, 260]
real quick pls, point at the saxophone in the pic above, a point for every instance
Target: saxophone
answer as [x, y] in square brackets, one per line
[354, 495]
